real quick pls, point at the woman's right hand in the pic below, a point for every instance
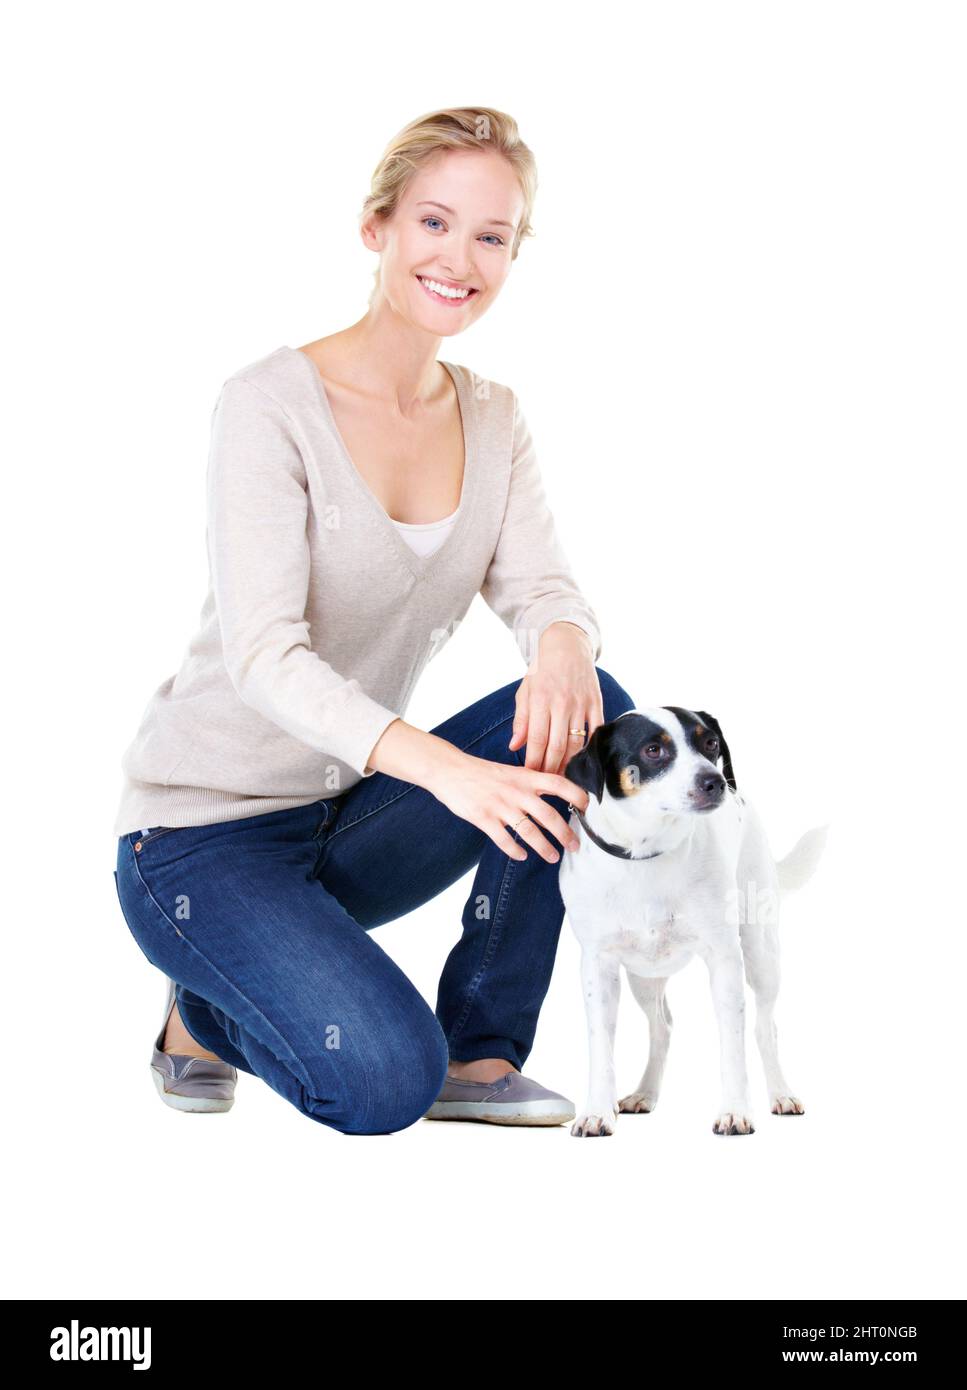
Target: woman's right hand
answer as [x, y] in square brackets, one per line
[493, 796]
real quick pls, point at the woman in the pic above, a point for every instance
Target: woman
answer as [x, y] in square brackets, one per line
[360, 493]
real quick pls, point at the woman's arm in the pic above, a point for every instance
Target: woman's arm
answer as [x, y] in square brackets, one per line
[489, 795]
[529, 583]
[258, 550]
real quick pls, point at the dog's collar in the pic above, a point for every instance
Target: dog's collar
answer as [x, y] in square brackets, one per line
[606, 844]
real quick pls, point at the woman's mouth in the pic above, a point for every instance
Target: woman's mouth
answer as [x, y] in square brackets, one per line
[445, 294]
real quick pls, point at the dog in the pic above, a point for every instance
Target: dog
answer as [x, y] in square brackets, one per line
[673, 862]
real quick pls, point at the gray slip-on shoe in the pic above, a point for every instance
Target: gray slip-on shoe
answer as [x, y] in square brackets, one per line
[510, 1100]
[195, 1084]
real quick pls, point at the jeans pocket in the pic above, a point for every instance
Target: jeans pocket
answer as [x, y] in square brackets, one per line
[152, 834]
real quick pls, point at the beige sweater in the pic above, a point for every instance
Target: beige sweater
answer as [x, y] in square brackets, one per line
[319, 616]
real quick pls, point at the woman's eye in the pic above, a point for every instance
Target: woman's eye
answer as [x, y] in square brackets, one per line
[496, 240]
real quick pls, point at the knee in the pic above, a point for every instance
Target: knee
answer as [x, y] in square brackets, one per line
[614, 697]
[397, 1084]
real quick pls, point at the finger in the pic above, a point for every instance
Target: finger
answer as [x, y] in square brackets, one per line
[503, 839]
[537, 731]
[595, 713]
[527, 830]
[567, 790]
[519, 731]
[575, 741]
[558, 740]
[551, 819]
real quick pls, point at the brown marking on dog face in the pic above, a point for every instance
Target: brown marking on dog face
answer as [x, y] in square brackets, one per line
[630, 781]
[699, 730]
[665, 736]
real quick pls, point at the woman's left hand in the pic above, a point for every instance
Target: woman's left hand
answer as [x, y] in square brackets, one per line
[560, 692]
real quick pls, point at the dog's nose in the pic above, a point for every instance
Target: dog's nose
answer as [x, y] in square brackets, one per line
[708, 791]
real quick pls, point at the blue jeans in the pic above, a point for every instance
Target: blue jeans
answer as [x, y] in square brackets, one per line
[264, 925]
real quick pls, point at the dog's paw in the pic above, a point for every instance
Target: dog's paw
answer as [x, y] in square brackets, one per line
[590, 1126]
[787, 1105]
[732, 1123]
[638, 1103]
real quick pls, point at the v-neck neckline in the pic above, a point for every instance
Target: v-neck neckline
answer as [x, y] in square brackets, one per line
[419, 566]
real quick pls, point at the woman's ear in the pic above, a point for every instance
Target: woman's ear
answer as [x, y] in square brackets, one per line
[713, 723]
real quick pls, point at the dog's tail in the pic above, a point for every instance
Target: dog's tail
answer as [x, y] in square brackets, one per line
[799, 864]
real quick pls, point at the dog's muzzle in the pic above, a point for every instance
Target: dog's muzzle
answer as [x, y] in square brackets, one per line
[708, 792]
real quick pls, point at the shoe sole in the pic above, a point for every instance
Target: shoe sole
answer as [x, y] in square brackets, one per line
[198, 1104]
[544, 1112]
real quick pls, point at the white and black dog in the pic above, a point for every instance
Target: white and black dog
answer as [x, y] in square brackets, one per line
[673, 863]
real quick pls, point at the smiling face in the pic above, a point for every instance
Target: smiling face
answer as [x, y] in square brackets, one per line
[659, 762]
[446, 251]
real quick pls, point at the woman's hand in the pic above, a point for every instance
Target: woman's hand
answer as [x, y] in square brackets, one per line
[493, 796]
[559, 693]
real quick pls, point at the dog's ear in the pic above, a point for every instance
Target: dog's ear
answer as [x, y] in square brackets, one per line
[713, 724]
[586, 768]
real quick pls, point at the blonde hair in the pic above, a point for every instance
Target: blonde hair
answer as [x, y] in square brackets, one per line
[458, 128]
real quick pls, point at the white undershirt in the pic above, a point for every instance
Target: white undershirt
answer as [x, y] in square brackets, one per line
[426, 536]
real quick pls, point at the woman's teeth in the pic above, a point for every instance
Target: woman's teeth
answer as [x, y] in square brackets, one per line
[445, 292]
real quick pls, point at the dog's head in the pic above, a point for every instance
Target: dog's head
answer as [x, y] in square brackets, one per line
[661, 761]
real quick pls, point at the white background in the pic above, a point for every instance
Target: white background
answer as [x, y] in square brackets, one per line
[738, 336]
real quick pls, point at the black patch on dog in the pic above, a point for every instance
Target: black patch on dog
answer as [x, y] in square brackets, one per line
[698, 741]
[618, 745]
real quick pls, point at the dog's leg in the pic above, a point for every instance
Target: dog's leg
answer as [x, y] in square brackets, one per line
[728, 996]
[650, 993]
[760, 947]
[600, 980]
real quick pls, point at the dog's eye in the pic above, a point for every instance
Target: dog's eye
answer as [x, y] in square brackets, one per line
[652, 750]
[712, 744]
